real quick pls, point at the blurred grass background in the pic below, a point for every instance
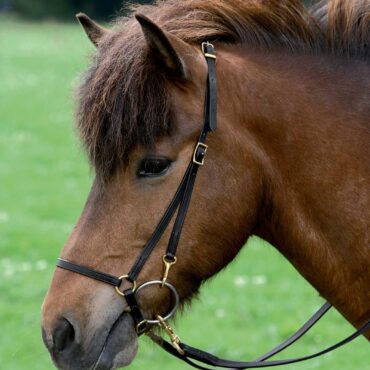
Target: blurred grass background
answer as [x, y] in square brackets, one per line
[44, 180]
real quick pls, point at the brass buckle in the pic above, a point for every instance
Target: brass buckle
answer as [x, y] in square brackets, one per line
[175, 340]
[126, 278]
[141, 327]
[167, 266]
[199, 145]
[207, 55]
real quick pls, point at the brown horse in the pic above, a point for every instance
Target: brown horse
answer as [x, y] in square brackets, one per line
[290, 160]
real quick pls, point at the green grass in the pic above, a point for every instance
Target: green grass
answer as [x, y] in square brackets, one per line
[250, 307]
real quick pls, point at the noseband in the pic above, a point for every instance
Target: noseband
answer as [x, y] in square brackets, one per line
[180, 202]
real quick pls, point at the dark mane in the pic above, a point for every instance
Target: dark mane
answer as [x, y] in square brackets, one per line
[123, 101]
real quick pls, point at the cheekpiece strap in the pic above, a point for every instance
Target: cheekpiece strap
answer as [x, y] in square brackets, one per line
[211, 95]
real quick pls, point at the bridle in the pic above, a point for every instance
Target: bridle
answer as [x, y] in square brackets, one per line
[180, 202]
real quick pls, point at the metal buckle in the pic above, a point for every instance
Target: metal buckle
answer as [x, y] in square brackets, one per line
[141, 327]
[207, 55]
[199, 145]
[167, 265]
[174, 293]
[175, 340]
[126, 278]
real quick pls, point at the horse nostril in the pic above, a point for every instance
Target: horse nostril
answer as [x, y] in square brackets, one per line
[64, 335]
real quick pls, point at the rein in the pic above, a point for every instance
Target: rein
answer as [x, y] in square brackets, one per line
[180, 202]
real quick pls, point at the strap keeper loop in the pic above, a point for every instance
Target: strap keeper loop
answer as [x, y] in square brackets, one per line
[208, 50]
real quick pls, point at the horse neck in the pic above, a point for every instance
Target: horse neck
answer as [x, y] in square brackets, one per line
[306, 120]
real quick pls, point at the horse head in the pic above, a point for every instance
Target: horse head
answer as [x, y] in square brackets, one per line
[141, 111]
[288, 162]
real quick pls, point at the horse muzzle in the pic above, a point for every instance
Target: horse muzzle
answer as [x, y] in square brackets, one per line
[75, 347]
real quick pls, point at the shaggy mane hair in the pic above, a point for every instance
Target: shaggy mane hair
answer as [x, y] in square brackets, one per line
[123, 100]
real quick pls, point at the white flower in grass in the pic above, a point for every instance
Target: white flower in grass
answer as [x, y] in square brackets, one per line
[5, 262]
[241, 280]
[41, 265]
[7, 267]
[220, 313]
[25, 266]
[8, 272]
[20, 137]
[259, 280]
[272, 329]
[4, 216]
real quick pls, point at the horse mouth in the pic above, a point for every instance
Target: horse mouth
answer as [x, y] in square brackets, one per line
[120, 346]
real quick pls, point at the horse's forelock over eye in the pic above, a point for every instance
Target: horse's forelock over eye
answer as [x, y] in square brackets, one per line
[153, 166]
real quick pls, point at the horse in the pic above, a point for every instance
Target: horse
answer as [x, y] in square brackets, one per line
[289, 161]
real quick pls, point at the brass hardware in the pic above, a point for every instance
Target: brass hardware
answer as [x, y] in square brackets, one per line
[175, 340]
[141, 327]
[125, 277]
[199, 145]
[167, 266]
[207, 55]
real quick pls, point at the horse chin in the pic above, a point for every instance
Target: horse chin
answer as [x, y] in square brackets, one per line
[121, 345]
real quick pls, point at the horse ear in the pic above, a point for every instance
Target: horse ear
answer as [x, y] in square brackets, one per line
[94, 31]
[166, 46]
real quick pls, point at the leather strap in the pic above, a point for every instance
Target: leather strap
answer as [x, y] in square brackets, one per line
[206, 358]
[140, 322]
[210, 124]
[183, 208]
[298, 334]
[162, 225]
[210, 121]
[282, 346]
[93, 274]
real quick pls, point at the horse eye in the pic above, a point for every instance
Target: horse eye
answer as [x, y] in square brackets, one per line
[153, 166]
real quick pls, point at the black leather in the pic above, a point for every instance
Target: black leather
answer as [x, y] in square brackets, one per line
[193, 354]
[135, 311]
[298, 334]
[97, 275]
[210, 119]
[162, 225]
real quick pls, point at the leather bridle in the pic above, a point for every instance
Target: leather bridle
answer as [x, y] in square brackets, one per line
[180, 202]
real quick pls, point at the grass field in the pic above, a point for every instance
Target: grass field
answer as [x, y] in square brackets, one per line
[44, 181]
